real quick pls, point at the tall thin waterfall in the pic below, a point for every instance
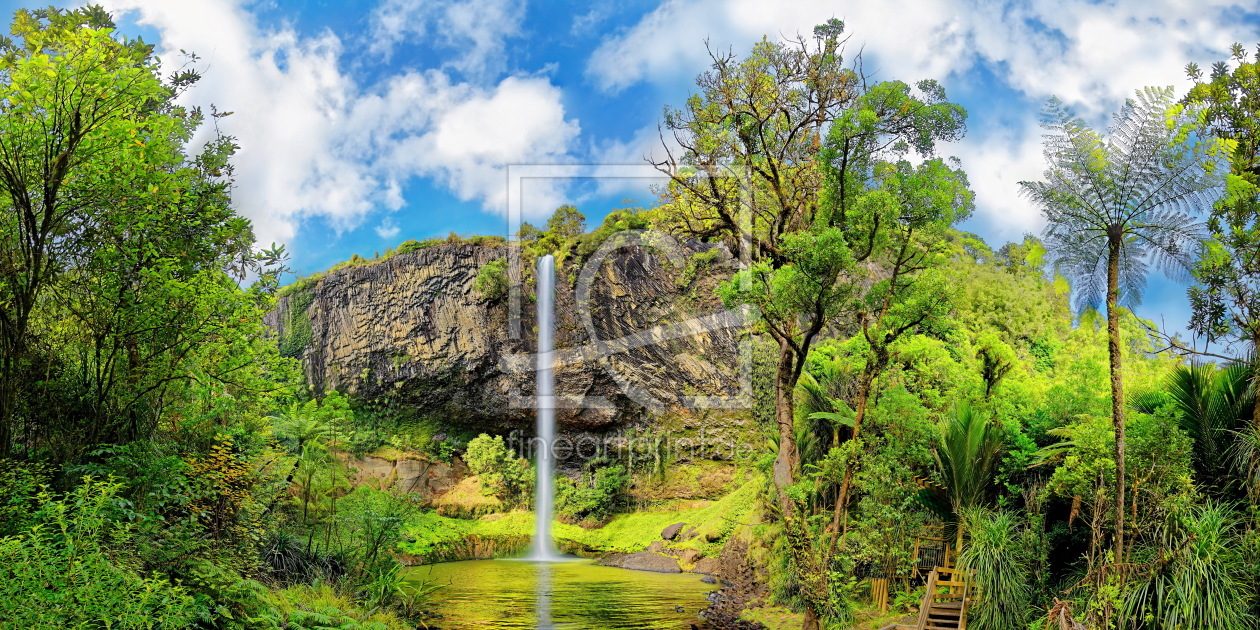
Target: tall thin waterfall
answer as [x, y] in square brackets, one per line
[544, 490]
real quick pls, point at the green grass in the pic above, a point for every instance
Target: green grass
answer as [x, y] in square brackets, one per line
[625, 533]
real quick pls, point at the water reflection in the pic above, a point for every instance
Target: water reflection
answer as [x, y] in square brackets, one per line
[542, 595]
[561, 596]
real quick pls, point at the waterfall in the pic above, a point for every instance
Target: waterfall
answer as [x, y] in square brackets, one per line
[544, 490]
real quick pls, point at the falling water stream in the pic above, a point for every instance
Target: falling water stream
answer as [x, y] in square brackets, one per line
[550, 590]
[544, 549]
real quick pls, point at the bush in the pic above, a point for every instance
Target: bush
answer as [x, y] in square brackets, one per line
[412, 245]
[488, 241]
[595, 497]
[999, 563]
[1200, 578]
[66, 572]
[505, 476]
[491, 280]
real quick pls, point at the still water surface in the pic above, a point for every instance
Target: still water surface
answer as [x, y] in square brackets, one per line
[574, 595]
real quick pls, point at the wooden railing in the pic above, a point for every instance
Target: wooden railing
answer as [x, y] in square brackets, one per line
[949, 609]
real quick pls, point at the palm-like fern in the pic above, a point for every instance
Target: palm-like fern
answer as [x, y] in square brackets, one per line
[968, 456]
[1117, 206]
[820, 400]
[1210, 404]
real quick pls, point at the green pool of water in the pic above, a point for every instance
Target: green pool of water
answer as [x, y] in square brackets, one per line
[575, 595]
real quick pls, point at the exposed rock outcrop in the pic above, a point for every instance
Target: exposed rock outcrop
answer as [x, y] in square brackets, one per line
[642, 561]
[429, 479]
[412, 329]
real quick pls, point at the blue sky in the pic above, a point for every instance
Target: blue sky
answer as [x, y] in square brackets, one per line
[366, 123]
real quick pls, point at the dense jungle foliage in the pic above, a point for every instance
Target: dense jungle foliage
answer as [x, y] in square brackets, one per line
[164, 465]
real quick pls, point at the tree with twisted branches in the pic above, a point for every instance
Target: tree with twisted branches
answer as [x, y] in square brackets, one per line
[1119, 204]
[798, 164]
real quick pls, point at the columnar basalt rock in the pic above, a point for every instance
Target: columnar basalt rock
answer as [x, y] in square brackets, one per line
[412, 329]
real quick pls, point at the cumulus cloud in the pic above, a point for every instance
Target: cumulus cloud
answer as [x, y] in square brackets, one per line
[1075, 49]
[316, 142]
[995, 163]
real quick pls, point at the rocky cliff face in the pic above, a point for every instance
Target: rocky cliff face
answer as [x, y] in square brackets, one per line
[412, 329]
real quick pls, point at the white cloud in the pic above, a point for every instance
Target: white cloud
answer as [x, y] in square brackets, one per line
[995, 164]
[476, 28]
[387, 230]
[314, 142]
[584, 23]
[1085, 52]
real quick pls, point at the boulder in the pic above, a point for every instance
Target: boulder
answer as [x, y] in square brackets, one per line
[691, 533]
[642, 561]
[671, 532]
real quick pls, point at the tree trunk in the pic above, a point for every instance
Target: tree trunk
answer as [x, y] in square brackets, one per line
[9, 379]
[1255, 382]
[8, 403]
[1252, 490]
[841, 512]
[785, 465]
[788, 458]
[811, 620]
[1117, 386]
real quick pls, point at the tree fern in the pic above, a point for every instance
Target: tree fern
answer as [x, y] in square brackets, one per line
[1118, 205]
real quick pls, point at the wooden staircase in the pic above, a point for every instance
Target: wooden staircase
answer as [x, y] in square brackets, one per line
[940, 611]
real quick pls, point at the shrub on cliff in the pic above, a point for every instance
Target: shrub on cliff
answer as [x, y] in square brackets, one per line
[491, 280]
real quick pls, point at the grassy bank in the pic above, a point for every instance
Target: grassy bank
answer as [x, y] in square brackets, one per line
[714, 522]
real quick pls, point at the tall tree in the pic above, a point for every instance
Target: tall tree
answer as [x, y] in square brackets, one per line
[120, 255]
[1226, 300]
[1119, 204]
[794, 161]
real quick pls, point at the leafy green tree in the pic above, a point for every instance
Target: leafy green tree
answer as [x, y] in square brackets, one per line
[1117, 205]
[1226, 300]
[566, 223]
[793, 161]
[120, 255]
[595, 495]
[502, 473]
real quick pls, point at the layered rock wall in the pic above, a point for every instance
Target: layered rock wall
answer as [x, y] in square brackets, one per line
[413, 330]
